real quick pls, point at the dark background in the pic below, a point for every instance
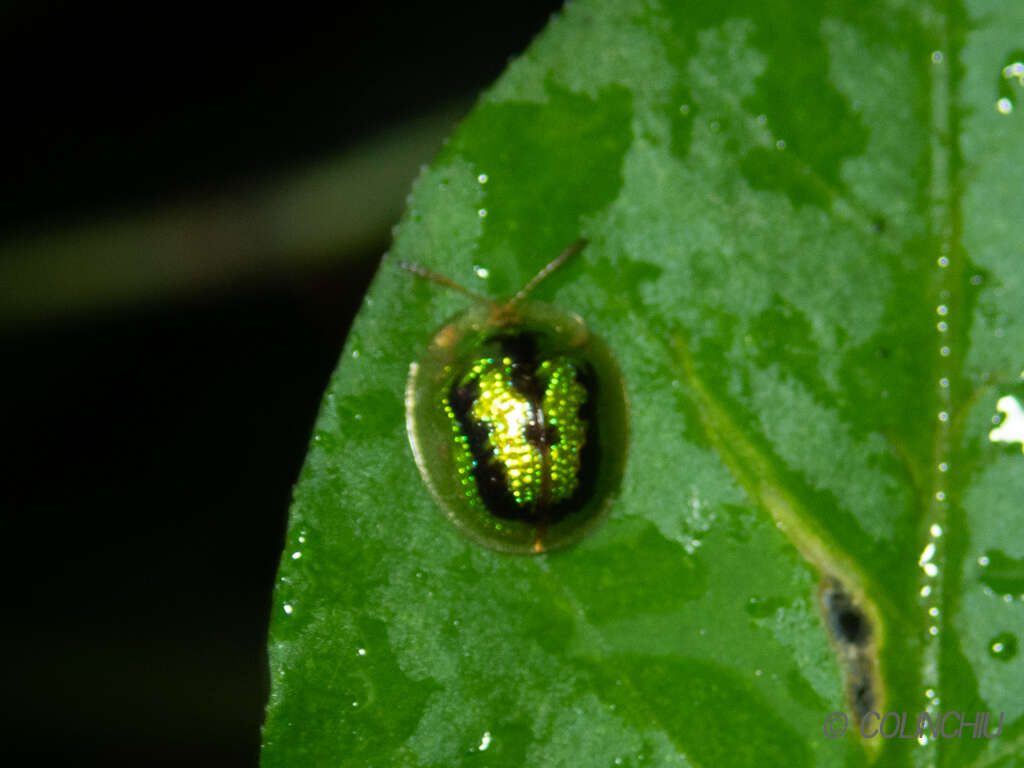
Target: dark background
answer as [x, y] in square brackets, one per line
[153, 446]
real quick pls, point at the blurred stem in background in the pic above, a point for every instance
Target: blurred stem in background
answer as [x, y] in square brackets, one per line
[333, 211]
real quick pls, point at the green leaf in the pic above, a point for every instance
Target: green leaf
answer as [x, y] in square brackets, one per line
[806, 253]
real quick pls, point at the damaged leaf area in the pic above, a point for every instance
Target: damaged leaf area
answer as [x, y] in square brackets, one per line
[805, 254]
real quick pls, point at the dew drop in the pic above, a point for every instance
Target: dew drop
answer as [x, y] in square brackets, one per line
[482, 178]
[1003, 646]
[983, 561]
[943, 261]
[927, 554]
[1011, 429]
[1004, 106]
[942, 309]
[935, 530]
[684, 109]
[288, 609]
[944, 351]
[482, 213]
[780, 144]
[936, 57]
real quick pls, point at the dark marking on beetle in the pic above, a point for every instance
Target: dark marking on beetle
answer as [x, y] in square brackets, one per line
[461, 398]
[521, 349]
[541, 436]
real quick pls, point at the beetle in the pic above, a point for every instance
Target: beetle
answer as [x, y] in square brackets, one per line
[518, 420]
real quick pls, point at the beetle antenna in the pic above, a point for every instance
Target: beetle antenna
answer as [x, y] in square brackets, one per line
[554, 264]
[434, 277]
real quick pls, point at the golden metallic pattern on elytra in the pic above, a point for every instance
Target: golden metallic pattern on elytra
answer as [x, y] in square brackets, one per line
[507, 413]
[463, 456]
[561, 405]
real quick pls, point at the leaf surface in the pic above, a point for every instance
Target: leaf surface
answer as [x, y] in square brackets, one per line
[806, 253]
